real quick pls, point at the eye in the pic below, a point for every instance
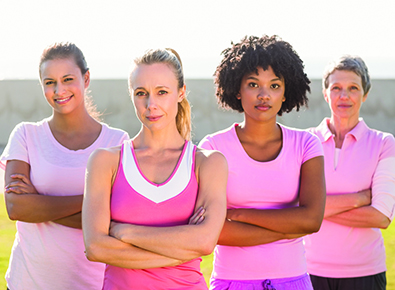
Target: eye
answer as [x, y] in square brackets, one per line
[68, 79]
[335, 88]
[354, 88]
[48, 83]
[275, 86]
[140, 94]
[162, 92]
[253, 85]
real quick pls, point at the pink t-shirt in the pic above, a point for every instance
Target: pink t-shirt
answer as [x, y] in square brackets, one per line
[263, 185]
[48, 255]
[137, 200]
[366, 160]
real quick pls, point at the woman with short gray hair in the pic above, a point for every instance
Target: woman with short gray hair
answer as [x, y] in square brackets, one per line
[348, 252]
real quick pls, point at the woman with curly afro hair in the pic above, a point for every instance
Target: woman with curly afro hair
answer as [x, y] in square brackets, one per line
[276, 185]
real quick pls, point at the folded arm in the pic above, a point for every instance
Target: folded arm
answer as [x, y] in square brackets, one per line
[25, 204]
[190, 241]
[96, 218]
[301, 220]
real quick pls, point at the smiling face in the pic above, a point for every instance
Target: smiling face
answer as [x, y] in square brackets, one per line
[345, 95]
[64, 85]
[155, 95]
[262, 95]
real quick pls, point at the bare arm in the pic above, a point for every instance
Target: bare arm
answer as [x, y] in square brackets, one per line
[187, 242]
[363, 217]
[96, 218]
[304, 219]
[24, 203]
[245, 235]
[338, 203]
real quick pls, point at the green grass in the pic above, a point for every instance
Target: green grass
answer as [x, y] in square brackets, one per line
[7, 233]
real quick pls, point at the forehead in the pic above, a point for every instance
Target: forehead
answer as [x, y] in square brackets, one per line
[63, 66]
[344, 76]
[261, 73]
[157, 74]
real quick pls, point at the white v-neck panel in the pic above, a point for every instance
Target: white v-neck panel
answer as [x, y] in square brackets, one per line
[158, 193]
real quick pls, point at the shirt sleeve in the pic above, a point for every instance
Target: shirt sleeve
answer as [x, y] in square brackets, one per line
[16, 148]
[313, 147]
[206, 143]
[383, 185]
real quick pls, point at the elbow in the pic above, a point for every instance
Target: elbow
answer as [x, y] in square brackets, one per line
[13, 213]
[92, 252]
[384, 224]
[313, 225]
[207, 246]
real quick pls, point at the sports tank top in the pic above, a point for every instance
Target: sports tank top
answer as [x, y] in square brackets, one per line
[137, 200]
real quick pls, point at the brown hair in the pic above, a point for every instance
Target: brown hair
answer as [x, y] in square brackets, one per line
[69, 50]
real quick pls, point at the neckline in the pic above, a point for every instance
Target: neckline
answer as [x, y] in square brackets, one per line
[63, 148]
[172, 173]
[241, 148]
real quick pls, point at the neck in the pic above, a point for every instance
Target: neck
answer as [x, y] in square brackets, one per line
[340, 127]
[259, 131]
[158, 140]
[72, 122]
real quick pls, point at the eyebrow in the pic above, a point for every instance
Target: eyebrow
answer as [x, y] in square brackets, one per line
[48, 78]
[255, 78]
[157, 87]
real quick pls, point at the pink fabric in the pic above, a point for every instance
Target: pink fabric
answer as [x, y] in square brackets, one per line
[366, 160]
[263, 185]
[48, 255]
[127, 205]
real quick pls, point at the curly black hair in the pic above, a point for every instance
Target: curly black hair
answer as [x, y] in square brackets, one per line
[253, 52]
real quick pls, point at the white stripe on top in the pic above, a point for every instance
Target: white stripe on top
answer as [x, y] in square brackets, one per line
[157, 193]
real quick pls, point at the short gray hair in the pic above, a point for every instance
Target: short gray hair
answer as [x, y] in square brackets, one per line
[348, 63]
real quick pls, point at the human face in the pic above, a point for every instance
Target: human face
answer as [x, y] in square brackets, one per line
[155, 95]
[261, 95]
[345, 94]
[64, 85]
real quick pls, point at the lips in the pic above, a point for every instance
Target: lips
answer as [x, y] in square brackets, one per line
[153, 118]
[263, 107]
[63, 100]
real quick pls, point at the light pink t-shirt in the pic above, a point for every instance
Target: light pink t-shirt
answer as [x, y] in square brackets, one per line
[366, 160]
[47, 256]
[263, 185]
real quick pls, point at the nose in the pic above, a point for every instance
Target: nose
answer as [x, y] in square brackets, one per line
[263, 94]
[59, 88]
[344, 94]
[151, 102]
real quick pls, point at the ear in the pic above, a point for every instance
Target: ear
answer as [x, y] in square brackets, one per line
[365, 97]
[87, 79]
[181, 93]
[238, 96]
[325, 96]
[284, 99]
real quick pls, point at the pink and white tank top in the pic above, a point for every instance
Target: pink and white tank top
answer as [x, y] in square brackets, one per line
[137, 200]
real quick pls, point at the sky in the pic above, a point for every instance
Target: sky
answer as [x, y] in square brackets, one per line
[112, 33]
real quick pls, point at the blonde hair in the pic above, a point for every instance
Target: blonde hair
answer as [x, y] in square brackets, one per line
[170, 56]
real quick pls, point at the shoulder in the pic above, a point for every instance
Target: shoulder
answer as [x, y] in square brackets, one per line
[212, 141]
[29, 126]
[114, 132]
[301, 135]
[384, 140]
[210, 158]
[105, 156]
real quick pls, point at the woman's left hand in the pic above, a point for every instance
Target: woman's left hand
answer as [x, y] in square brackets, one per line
[21, 185]
[117, 229]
